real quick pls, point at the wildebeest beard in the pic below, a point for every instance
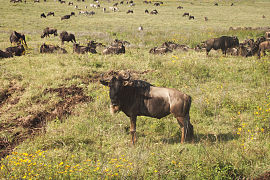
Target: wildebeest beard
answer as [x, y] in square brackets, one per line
[139, 86]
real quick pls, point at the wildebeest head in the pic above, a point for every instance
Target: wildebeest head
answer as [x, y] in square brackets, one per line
[235, 41]
[116, 83]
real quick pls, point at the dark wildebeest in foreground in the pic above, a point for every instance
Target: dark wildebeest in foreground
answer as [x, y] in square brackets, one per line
[264, 46]
[47, 31]
[65, 36]
[47, 48]
[50, 14]
[180, 7]
[5, 54]
[223, 43]
[83, 49]
[140, 98]
[16, 51]
[17, 38]
[42, 15]
[185, 14]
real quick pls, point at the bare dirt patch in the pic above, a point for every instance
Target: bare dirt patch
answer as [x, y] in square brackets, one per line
[33, 123]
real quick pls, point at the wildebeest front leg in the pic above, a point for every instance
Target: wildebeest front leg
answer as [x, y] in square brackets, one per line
[133, 129]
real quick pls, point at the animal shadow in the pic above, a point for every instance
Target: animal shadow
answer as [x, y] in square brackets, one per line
[212, 138]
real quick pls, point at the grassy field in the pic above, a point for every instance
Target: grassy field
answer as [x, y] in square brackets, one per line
[54, 113]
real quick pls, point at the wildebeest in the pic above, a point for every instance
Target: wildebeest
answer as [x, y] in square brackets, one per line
[47, 31]
[117, 47]
[83, 49]
[156, 4]
[17, 51]
[185, 14]
[146, 11]
[50, 14]
[160, 50]
[15, 1]
[17, 38]
[206, 18]
[42, 15]
[180, 7]
[216, 4]
[46, 48]
[140, 98]
[154, 12]
[173, 46]
[115, 4]
[191, 17]
[72, 14]
[223, 43]
[129, 11]
[264, 46]
[5, 54]
[267, 35]
[70, 3]
[65, 36]
[65, 17]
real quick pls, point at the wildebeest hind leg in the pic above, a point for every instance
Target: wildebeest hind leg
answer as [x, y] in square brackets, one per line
[181, 122]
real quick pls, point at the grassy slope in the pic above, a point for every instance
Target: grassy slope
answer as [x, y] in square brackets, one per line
[230, 109]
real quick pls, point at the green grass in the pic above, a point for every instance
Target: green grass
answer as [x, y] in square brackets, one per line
[230, 108]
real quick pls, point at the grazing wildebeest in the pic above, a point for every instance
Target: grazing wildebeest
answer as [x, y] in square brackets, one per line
[232, 4]
[122, 2]
[206, 18]
[65, 17]
[65, 36]
[47, 31]
[47, 48]
[83, 49]
[70, 3]
[17, 38]
[160, 50]
[115, 4]
[146, 11]
[5, 54]
[216, 4]
[179, 7]
[129, 11]
[42, 15]
[223, 43]
[191, 17]
[17, 51]
[50, 14]
[36, 1]
[156, 4]
[117, 47]
[140, 98]
[185, 14]
[154, 12]
[264, 46]
[72, 14]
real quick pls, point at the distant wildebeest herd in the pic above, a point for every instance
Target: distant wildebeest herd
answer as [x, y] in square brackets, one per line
[228, 45]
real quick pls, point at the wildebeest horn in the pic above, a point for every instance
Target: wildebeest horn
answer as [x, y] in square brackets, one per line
[127, 78]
